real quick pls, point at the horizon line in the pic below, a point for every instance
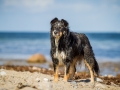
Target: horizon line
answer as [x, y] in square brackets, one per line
[49, 32]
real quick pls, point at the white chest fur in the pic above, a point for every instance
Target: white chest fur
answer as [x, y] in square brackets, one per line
[60, 55]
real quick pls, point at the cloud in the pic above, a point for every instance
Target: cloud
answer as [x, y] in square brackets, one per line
[28, 5]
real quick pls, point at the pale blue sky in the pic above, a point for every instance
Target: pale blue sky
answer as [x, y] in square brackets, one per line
[82, 15]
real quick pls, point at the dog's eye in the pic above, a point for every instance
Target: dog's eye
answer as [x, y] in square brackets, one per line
[60, 28]
[54, 27]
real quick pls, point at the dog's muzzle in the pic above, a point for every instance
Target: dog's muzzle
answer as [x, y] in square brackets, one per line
[56, 33]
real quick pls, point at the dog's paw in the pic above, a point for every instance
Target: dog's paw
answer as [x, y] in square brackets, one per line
[92, 84]
[66, 78]
[55, 78]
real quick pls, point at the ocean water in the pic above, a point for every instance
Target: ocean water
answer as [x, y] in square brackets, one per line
[15, 45]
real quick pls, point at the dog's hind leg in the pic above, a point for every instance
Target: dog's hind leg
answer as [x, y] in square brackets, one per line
[72, 69]
[91, 71]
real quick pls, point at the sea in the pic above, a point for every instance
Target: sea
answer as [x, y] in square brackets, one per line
[22, 45]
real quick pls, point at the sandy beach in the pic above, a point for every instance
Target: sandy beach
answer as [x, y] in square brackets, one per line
[36, 78]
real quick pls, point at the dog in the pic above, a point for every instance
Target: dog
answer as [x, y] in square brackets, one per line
[68, 48]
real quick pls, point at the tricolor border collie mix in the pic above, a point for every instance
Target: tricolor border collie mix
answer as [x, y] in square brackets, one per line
[68, 48]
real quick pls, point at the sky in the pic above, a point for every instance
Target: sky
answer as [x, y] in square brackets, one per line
[82, 15]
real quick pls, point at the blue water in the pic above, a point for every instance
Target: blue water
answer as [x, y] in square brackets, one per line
[15, 45]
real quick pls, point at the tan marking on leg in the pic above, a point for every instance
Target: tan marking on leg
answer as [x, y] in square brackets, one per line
[66, 76]
[72, 69]
[91, 71]
[56, 75]
[73, 66]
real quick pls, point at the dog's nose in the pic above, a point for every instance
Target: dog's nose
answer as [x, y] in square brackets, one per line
[55, 32]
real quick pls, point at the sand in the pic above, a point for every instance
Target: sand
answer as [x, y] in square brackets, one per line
[19, 75]
[17, 80]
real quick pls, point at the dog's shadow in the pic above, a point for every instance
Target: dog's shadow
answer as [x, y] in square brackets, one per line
[86, 81]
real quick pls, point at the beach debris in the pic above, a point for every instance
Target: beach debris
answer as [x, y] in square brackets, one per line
[110, 76]
[2, 72]
[20, 86]
[35, 68]
[118, 76]
[37, 79]
[98, 79]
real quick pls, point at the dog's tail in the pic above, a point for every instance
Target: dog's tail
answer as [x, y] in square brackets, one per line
[89, 56]
[96, 68]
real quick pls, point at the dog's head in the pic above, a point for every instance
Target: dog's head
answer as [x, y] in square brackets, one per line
[59, 27]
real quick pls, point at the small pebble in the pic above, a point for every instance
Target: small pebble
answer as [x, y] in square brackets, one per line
[75, 87]
[2, 72]
[45, 79]
[73, 82]
[38, 80]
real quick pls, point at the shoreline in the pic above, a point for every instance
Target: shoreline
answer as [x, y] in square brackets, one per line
[108, 67]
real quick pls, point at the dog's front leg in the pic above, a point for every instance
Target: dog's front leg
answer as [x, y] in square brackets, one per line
[55, 66]
[66, 74]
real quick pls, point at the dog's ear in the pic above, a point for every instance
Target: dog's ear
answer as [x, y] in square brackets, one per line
[65, 23]
[53, 21]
